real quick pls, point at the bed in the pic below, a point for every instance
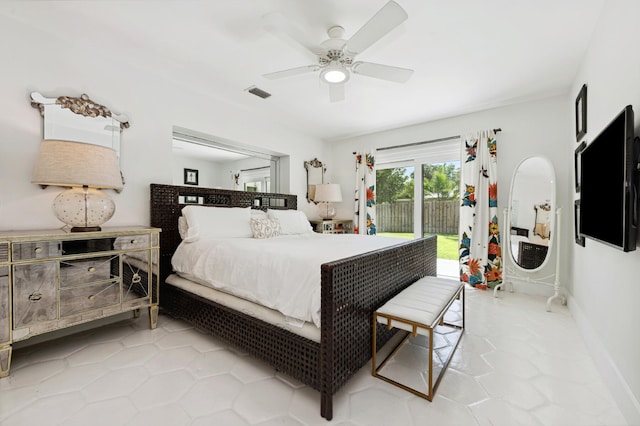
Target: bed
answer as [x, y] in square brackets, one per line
[528, 252]
[351, 289]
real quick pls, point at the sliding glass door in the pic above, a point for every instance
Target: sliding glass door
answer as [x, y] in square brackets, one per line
[441, 211]
[395, 201]
[407, 210]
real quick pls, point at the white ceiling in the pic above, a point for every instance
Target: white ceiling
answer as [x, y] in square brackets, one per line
[468, 55]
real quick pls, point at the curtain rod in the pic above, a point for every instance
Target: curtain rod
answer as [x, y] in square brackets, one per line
[448, 138]
[419, 143]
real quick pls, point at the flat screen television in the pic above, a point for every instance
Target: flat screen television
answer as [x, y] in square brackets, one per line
[608, 185]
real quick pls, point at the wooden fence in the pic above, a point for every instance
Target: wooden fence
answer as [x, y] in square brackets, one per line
[440, 217]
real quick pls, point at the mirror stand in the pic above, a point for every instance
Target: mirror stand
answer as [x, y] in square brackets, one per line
[543, 280]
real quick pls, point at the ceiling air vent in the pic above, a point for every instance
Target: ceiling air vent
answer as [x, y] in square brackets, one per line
[258, 92]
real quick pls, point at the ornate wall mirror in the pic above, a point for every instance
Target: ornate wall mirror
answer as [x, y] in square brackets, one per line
[80, 120]
[315, 176]
[531, 214]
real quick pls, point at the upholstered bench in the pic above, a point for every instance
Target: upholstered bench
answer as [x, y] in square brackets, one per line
[432, 311]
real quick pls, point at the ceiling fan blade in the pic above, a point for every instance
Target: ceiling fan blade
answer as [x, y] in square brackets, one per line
[390, 16]
[276, 24]
[336, 92]
[291, 72]
[384, 72]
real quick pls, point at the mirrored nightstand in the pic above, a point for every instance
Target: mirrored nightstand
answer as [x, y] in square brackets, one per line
[334, 226]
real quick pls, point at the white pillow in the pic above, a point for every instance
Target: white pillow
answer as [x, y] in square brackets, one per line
[265, 228]
[183, 229]
[217, 222]
[258, 214]
[291, 221]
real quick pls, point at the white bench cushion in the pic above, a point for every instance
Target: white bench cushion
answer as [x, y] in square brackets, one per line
[422, 302]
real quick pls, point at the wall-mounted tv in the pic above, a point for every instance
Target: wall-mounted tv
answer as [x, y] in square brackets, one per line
[609, 184]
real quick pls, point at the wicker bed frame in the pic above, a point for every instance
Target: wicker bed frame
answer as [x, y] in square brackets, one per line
[352, 289]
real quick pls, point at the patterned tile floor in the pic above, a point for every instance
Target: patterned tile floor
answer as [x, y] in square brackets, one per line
[516, 364]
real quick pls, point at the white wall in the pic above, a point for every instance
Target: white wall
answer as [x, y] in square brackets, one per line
[528, 129]
[37, 61]
[605, 285]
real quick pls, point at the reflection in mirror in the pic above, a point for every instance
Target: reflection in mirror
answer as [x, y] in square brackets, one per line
[315, 176]
[80, 120]
[224, 164]
[531, 213]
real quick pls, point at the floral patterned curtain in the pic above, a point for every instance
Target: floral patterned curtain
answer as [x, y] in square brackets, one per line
[364, 221]
[480, 256]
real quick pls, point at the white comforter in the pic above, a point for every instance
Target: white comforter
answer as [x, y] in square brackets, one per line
[281, 273]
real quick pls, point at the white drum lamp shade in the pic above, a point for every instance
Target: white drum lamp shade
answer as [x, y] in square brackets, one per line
[328, 193]
[85, 168]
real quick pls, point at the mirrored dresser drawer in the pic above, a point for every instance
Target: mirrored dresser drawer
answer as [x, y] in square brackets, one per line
[82, 271]
[77, 300]
[36, 250]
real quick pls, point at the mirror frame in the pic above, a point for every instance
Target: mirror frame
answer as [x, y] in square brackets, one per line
[84, 107]
[309, 166]
[552, 226]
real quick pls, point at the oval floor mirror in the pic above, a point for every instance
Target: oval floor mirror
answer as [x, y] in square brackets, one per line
[532, 222]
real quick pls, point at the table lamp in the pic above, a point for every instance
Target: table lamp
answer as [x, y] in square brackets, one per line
[85, 168]
[328, 193]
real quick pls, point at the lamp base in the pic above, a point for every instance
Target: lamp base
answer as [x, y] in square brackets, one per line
[327, 213]
[83, 209]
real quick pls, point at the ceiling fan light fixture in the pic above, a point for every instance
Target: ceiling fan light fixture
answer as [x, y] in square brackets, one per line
[335, 74]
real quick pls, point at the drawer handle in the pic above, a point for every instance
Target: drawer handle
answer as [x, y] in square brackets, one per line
[91, 269]
[35, 297]
[134, 241]
[38, 250]
[92, 297]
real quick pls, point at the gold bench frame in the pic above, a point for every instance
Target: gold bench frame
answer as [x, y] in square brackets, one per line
[375, 371]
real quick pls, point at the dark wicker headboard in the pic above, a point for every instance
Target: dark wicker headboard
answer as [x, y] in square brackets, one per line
[167, 202]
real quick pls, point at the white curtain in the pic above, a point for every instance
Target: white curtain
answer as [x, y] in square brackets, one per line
[480, 256]
[364, 221]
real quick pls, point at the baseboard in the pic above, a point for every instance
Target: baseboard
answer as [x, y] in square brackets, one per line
[613, 379]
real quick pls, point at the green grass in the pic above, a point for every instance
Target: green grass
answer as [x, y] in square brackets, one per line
[447, 243]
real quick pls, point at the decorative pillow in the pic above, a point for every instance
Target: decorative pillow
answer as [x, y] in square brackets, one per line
[217, 222]
[291, 221]
[265, 228]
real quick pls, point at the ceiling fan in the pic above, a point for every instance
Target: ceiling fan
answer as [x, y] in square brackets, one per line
[336, 55]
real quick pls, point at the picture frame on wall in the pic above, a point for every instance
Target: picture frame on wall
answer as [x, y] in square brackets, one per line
[576, 224]
[576, 164]
[581, 113]
[190, 177]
